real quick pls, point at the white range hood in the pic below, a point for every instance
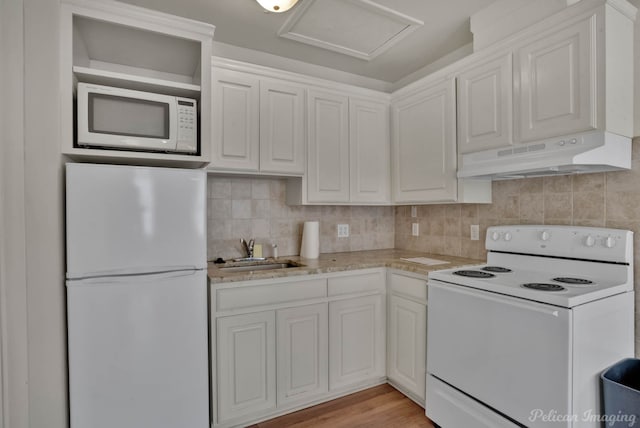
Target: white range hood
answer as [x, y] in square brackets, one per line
[575, 154]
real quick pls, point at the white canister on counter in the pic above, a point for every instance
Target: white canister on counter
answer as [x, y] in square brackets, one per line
[310, 247]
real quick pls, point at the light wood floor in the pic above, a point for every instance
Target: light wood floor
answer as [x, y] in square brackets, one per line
[378, 407]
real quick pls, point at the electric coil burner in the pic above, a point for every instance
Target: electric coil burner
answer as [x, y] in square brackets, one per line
[573, 281]
[473, 274]
[543, 286]
[496, 269]
[530, 331]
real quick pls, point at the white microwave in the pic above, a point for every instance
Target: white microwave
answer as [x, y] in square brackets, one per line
[124, 119]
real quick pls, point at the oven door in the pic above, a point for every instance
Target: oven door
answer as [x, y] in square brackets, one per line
[513, 355]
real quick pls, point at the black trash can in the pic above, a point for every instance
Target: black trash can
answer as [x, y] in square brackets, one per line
[621, 393]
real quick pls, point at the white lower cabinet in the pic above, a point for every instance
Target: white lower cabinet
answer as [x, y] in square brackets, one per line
[296, 342]
[407, 345]
[246, 364]
[407, 334]
[302, 343]
[356, 340]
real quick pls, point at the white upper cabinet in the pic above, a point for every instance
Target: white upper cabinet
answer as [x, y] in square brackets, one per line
[369, 149]
[281, 127]
[328, 157]
[424, 145]
[557, 90]
[348, 157]
[258, 124]
[571, 73]
[485, 98]
[332, 139]
[236, 121]
[575, 73]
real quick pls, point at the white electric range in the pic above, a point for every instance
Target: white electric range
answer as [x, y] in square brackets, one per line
[521, 340]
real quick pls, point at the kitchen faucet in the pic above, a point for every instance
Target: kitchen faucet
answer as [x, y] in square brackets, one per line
[248, 250]
[248, 247]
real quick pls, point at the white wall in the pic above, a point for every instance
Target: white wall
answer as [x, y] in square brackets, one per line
[636, 70]
[13, 297]
[3, 282]
[32, 294]
[44, 218]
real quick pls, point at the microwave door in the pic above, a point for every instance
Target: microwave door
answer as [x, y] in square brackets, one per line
[126, 119]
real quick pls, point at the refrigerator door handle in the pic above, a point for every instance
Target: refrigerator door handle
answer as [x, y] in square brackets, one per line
[141, 277]
[131, 272]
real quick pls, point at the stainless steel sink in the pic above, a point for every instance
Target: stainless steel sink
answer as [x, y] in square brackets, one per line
[248, 267]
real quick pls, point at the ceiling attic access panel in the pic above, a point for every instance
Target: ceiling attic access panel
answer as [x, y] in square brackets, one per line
[358, 28]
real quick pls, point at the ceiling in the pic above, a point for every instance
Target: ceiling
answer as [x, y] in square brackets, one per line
[244, 23]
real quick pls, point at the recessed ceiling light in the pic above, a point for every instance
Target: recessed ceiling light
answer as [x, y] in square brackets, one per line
[277, 5]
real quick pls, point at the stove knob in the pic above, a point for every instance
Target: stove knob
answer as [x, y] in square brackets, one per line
[610, 242]
[508, 236]
[545, 235]
[589, 241]
[495, 236]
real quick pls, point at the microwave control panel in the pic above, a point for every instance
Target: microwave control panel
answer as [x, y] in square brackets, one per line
[187, 140]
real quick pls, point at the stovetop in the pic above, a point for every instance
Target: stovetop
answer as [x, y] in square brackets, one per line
[559, 265]
[556, 287]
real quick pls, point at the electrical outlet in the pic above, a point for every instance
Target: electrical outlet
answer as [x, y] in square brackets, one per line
[414, 211]
[475, 232]
[415, 229]
[343, 231]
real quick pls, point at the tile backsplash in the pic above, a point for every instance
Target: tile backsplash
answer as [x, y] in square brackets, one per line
[581, 200]
[256, 208]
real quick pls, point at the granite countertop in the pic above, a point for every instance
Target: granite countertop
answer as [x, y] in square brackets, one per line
[338, 262]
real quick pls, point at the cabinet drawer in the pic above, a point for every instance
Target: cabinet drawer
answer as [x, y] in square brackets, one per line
[269, 294]
[356, 284]
[413, 287]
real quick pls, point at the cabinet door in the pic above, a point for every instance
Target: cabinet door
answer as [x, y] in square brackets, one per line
[235, 120]
[302, 337]
[484, 106]
[407, 338]
[369, 144]
[356, 341]
[328, 155]
[557, 83]
[246, 364]
[282, 139]
[424, 145]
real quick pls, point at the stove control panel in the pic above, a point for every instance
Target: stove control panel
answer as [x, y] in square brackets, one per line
[576, 242]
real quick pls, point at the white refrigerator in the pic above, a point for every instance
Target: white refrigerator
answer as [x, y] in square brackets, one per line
[137, 297]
